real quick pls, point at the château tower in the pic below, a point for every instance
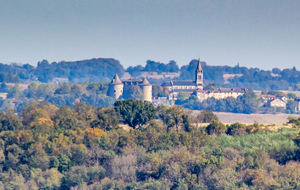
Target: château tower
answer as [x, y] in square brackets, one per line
[115, 87]
[147, 90]
[199, 76]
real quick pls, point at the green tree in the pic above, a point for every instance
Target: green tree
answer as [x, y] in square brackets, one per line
[291, 95]
[249, 103]
[172, 116]
[292, 105]
[298, 86]
[49, 179]
[156, 90]
[63, 89]
[215, 127]
[210, 86]
[77, 89]
[276, 93]
[15, 92]
[7, 104]
[78, 175]
[65, 119]
[64, 162]
[236, 129]
[207, 116]
[107, 119]
[9, 121]
[4, 88]
[135, 112]
[38, 158]
[181, 97]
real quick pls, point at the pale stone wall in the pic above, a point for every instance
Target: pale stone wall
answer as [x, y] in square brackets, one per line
[217, 95]
[277, 103]
[147, 91]
[115, 90]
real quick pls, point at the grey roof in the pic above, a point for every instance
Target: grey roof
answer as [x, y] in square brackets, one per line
[132, 81]
[145, 82]
[248, 90]
[183, 90]
[199, 68]
[179, 83]
[238, 90]
[116, 80]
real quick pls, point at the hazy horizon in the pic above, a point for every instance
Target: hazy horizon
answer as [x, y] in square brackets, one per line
[262, 34]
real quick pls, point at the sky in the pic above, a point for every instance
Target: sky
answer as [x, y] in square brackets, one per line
[253, 33]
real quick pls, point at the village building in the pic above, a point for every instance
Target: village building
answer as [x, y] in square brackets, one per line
[283, 98]
[58, 80]
[276, 103]
[221, 93]
[265, 98]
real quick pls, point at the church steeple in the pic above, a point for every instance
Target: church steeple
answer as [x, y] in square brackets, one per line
[199, 68]
[199, 75]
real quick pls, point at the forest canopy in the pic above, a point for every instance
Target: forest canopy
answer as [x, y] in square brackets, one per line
[86, 147]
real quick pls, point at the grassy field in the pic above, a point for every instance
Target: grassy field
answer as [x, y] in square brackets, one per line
[250, 118]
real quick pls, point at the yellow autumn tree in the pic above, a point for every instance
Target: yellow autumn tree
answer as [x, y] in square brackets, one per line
[42, 125]
[96, 132]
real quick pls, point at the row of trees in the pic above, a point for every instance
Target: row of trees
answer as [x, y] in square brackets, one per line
[46, 147]
[247, 103]
[152, 66]
[62, 94]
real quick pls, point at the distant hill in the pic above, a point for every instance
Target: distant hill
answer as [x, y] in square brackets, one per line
[94, 70]
[101, 69]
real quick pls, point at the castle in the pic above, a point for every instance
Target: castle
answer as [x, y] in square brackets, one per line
[117, 87]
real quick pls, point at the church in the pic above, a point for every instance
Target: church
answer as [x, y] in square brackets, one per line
[196, 88]
[185, 86]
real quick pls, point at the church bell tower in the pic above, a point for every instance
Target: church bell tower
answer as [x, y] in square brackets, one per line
[199, 76]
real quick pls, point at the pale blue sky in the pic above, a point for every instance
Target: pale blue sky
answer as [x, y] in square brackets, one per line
[255, 33]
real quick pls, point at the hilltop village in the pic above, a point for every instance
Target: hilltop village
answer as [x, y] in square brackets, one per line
[195, 86]
[175, 89]
[117, 87]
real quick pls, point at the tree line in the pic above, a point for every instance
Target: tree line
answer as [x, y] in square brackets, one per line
[91, 93]
[96, 70]
[85, 147]
[247, 103]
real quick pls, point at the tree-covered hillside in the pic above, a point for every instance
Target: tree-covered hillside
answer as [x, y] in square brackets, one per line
[85, 147]
[251, 77]
[94, 70]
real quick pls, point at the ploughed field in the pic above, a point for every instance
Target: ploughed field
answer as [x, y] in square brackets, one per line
[250, 118]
